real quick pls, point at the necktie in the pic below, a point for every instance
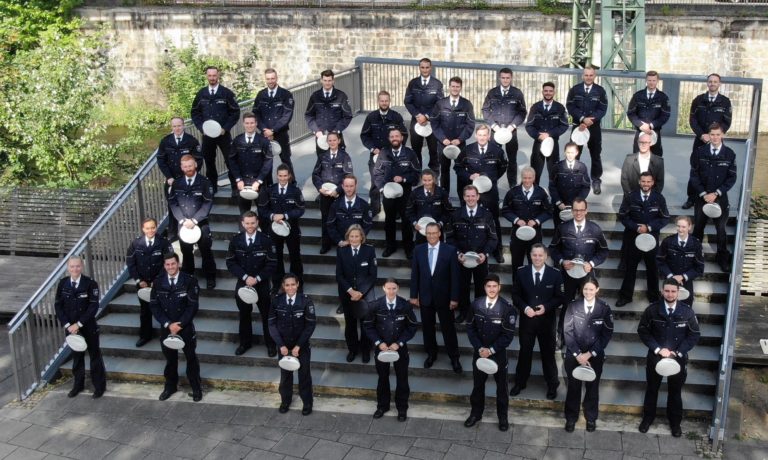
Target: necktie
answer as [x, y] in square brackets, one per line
[173, 281]
[490, 305]
[669, 311]
[149, 243]
[327, 95]
[645, 197]
[714, 152]
[250, 139]
[189, 182]
[423, 82]
[178, 139]
[74, 284]
[586, 89]
[212, 92]
[504, 93]
[453, 105]
[650, 95]
[333, 156]
[349, 205]
[546, 107]
[589, 309]
[711, 99]
[354, 252]
[282, 190]
[527, 192]
[431, 257]
[570, 166]
[471, 213]
[396, 153]
[426, 193]
[250, 241]
[482, 151]
[578, 230]
[682, 243]
[538, 279]
[271, 93]
[391, 306]
[290, 302]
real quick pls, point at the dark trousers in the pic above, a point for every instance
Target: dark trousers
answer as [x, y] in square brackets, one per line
[305, 379]
[210, 144]
[477, 398]
[246, 315]
[511, 150]
[491, 201]
[98, 372]
[205, 244]
[173, 224]
[538, 160]
[674, 390]
[595, 146]
[697, 142]
[537, 329]
[417, 144]
[570, 292]
[325, 207]
[445, 169]
[245, 205]
[656, 149]
[145, 320]
[284, 139]
[354, 334]
[477, 274]
[171, 371]
[402, 390]
[592, 389]
[394, 208]
[633, 256]
[447, 328]
[293, 242]
[521, 250]
[700, 221]
[374, 194]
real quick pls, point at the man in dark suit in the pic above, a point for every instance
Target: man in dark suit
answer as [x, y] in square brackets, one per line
[453, 122]
[537, 293]
[434, 265]
[680, 257]
[587, 104]
[640, 162]
[547, 118]
[76, 305]
[648, 111]
[713, 174]
[273, 107]
[421, 95]
[526, 204]
[174, 302]
[428, 200]
[389, 325]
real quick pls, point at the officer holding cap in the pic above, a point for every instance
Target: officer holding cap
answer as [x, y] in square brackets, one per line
[649, 110]
[453, 122]
[331, 167]
[428, 200]
[348, 209]
[421, 95]
[546, 119]
[250, 160]
[273, 107]
[587, 104]
[525, 204]
[681, 257]
[570, 181]
[504, 107]
[328, 109]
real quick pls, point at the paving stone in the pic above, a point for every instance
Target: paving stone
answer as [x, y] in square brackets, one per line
[266, 432]
[456, 431]
[394, 444]
[10, 428]
[500, 447]
[184, 411]
[500, 456]
[228, 451]
[318, 421]
[327, 450]
[256, 441]
[320, 434]
[94, 448]
[162, 441]
[601, 454]
[161, 456]
[95, 426]
[219, 431]
[438, 445]
[132, 433]
[15, 413]
[631, 457]
[424, 427]
[22, 453]
[531, 435]
[127, 453]
[55, 457]
[489, 432]
[526, 450]
[387, 426]
[33, 437]
[460, 452]
[652, 456]
[603, 440]
[363, 440]
[57, 402]
[151, 409]
[561, 438]
[6, 449]
[563, 453]
[353, 423]
[294, 444]
[216, 413]
[360, 453]
[639, 443]
[424, 454]
[62, 443]
[258, 454]
[251, 416]
[43, 417]
[395, 457]
[672, 445]
[289, 420]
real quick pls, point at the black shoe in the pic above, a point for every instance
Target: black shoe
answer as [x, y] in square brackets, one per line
[340, 310]
[74, 392]
[241, 349]
[306, 410]
[676, 431]
[456, 364]
[471, 421]
[166, 394]
[380, 413]
[644, 426]
[516, 389]
[366, 357]
[401, 416]
[142, 342]
[196, 397]
[596, 187]
[621, 302]
[591, 426]
[97, 394]
[688, 204]
[271, 351]
[325, 249]
[503, 425]
[460, 318]
[570, 426]
[351, 356]
[499, 258]
[388, 252]
[559, 342]
[429, 362]
[622, 265]
[211, 283]
[725, 267]
[552, 392]
[409, 254]
[283, 408]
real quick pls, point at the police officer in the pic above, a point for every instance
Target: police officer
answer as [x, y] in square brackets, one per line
[578, 239]
[390, 324]
[707, 108]
[172, 147]
[490, 331]
[588, 329]
[421, 95]
[504, 107]
[484, 158]
[642, 211]
[291, 324]
[250, 160]
[649, 110]
[190, 200]
[587, 103]
[76, 305]
[570, 181]
[375, 137]
[547, 118]
[681, 256]
[331, 167]
[453, 122]
[284, 202]
[356, 271]
[251, 259]
[396, 163]
[174, 303]
[669, 329]
[428, 200]
[713, 174]
[346, 210]
[328, 109]
[472, 229]
[145, 262]
[537, 293]
[525, 204]
[273, 108]
[218, 103]
[640, 162]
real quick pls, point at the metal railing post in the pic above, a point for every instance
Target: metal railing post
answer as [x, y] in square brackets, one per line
[140, 199]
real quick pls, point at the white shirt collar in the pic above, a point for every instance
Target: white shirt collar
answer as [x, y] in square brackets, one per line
[454, 101]
[436, 246]
[251, 235]
[329, 92]
[587, 306]
[187, 179]
[214, 88]
[354, 247]
[384, 113]
[291, 299]
[353, 199]
[426, 79]
[472, 209]
[176, 277]
[391, 301]
[668, 306]
[526, 189]
[534, 271]
[489, 301]
[73, 280]
[583, 224]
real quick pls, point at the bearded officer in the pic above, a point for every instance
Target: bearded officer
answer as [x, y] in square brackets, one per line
[547, 118]
[273, 107]
[587, 104]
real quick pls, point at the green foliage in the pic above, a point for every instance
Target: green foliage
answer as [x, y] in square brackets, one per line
[758, 207]
[553, 7]
[451, 5]
[23, 22]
